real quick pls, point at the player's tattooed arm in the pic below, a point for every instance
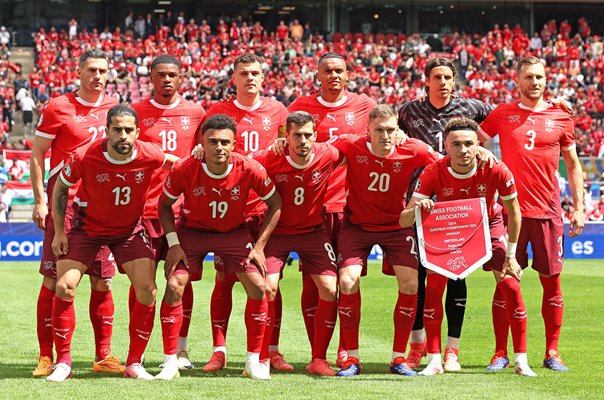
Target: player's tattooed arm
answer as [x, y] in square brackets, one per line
[60, 199]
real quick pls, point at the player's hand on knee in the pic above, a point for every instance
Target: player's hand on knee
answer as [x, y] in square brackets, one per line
[511, 268]
[60, 245]
[175, 256]
[257, 257]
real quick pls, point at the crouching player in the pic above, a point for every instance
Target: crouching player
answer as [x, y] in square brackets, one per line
[115, 174]
[215, 192]
[456, 177]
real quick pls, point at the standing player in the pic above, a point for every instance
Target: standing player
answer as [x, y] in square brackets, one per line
[301, 177]
[336, 112]
[68, 122]
[259, 120]
[456, 177]
[115, 174]
[215, 195]
[171, 122]
[379, 172]
[532, 134]
[425, 120]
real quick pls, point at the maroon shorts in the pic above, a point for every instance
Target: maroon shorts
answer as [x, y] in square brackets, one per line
[317, 256]
[103, 266]
[356, 244]
[84, 248]
[158, 240]
[498, 243]
[230, 250]
[333, 225]
[546, 237]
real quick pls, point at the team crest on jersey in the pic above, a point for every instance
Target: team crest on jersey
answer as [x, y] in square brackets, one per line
[79, 119]
[185, 123]
[514, 118]
[362, 159]
[266, 123]
[235, 192]
[199, 191]
[549, 125]
[139, 176]
[349, 118]
[149, 121]
[448, 192]
[417, 123]
[281, 178]
[397, 165]
[67, 170]
[482, 190]
[100, 178]
[316, 177]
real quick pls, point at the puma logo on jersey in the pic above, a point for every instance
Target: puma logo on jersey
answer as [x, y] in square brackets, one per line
[467, 191]
[121, 176]
[95, 116]
[165, 119]
[331, 117]
[381, 162]
[247, 119]
[219, 191]
[301, 177]
[533, 120]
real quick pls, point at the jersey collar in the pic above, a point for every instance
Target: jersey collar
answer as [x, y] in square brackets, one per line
[248, 108]
[462, 176]
[332, 105]
[167, 106]
[211, 175]
[536, 109]
[370, 148]
[88, 104]
[119, 162]
[298, 166]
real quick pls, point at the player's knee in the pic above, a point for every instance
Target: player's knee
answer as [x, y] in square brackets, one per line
[328, 293]
[100, 284]
[145, 293]
[174, 291]
[271, 291]
[348, 283]
[65, 289]
[408, 286]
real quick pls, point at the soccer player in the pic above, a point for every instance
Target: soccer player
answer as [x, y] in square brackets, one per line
[301, 177]
[259, 120]
[425, 120]
[215, 195]
[457, 177]
[172, 122]
[115, 174]
[379, 172]
[532, 134]
[68, 122]
[336, 112]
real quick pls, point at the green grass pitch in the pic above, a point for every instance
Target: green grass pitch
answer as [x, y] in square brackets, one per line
[582, 283]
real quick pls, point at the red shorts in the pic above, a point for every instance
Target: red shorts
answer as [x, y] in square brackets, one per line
[83, 248]
[103, 266]
[158, 240]
[498, 243]
[546, 237]
[230, 251]
[356, 244]
[317, 256]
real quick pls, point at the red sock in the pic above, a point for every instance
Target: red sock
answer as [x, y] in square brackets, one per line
[349, 309]
[101, 311]
[141, 325]
[404, 317]
[309, 301]
[171, 320]
[255, 323]
[187, 310]
[221, 305]
[516, 312]
[131, 300]
[276, 321]
[552, 309]
[268, 330]
[433, 311]
[325, 323]
[501, 325]
[44, 319]
[63, 325]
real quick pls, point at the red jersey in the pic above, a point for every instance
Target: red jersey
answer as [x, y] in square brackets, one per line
[216, 202]
[378, 185]
[71, 122]
[349, 115]
[531, 141]
[302, 187]
[257, 127]
[110, 200]
[440, 179]
[172, 127]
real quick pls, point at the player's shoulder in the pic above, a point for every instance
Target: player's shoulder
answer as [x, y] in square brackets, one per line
[141, 106]
[361, 98]
[469, 101]
[186, 163]
[108, 101]
[304, 101]
[273, 103]
[60, 104]
[190, 105]
[221, 107]
[148, 147]
[558, 112]
[505, 109]
[414, 145]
